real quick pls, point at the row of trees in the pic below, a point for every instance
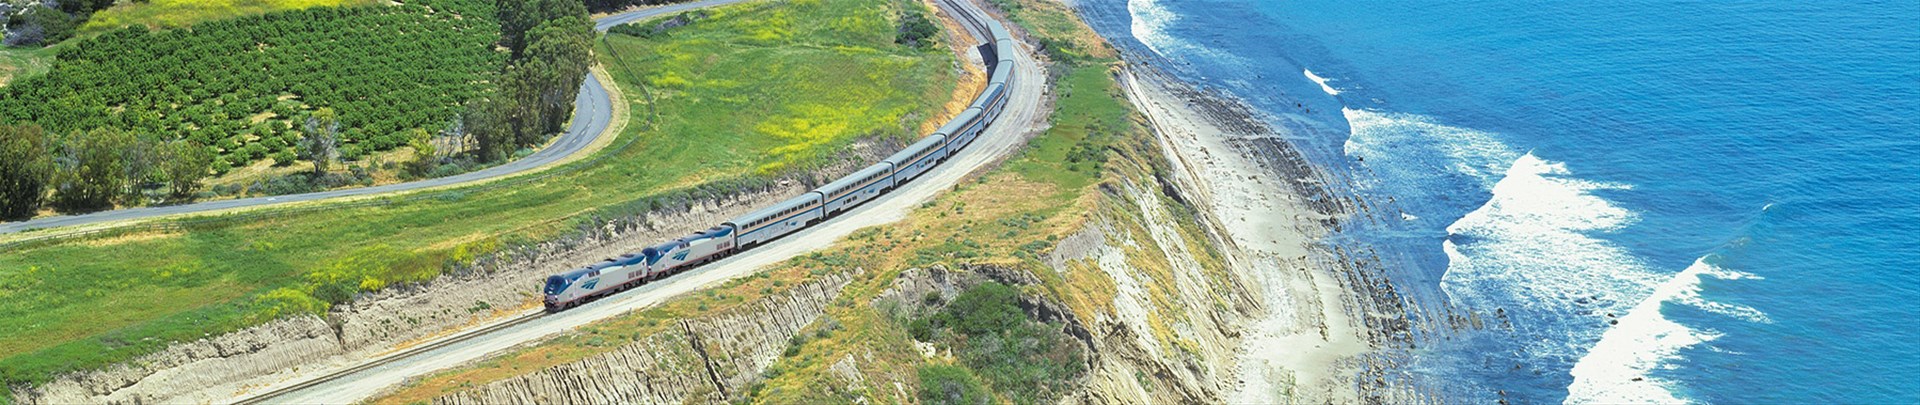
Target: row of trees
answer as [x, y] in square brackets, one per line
[141, 109]
[92, 170]
[550, 43]
[245, 85]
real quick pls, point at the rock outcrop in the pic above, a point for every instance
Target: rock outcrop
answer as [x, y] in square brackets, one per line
[221, 363]
[707, 359]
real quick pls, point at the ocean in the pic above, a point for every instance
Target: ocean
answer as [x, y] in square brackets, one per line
[1667, 201]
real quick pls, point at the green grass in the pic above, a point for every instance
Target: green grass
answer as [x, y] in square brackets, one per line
[17, 63]
[741, 112]
[1092, 112]
[1006, 218]
[180, 13]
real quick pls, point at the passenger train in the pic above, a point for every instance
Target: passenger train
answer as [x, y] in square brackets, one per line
[572, 288]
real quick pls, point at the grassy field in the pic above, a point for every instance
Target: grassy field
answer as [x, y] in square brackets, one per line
[23, 62]
[180, 13]
[735, 95]
[1009, 217]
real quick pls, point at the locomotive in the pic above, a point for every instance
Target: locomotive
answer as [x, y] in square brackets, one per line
[578, 286]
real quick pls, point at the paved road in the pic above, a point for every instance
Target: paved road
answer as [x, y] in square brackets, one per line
[1024, 115]
[593, 110]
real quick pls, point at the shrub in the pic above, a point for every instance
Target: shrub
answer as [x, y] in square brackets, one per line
[1028, 360]
[915, 29]
[943, 384]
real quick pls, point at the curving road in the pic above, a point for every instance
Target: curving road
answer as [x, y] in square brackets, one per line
[343, 380]
[593, 111]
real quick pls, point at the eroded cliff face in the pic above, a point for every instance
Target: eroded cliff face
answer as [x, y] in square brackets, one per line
[705, 359]
[1173, 329]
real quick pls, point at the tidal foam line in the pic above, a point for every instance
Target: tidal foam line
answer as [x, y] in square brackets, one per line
[1618, 368]
[1322, 81]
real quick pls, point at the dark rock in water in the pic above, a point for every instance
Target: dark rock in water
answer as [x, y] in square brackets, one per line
[1613, 321]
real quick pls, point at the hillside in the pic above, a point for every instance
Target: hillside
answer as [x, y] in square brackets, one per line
[1101, 265]
[181, 13]
[245, 86]
[672, 149]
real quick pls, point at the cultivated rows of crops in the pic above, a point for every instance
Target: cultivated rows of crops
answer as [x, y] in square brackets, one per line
[243, 86]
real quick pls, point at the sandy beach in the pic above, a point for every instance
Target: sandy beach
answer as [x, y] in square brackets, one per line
[1298, 350]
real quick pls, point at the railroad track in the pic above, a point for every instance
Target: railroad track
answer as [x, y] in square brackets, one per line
[973, 22]
[396, 356]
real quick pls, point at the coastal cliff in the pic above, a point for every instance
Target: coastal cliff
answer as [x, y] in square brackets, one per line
[1154, 244]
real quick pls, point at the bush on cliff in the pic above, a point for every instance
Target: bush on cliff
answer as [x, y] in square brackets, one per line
[1027, 360]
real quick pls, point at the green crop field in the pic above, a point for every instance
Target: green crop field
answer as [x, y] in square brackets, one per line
[749, 93]
[243, 85]
[180, 13]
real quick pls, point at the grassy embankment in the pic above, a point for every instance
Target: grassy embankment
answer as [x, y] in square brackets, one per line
[741, 97]
[23, 62]
[1063, 181]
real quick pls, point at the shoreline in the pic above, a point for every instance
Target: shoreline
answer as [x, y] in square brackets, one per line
[1303, 345]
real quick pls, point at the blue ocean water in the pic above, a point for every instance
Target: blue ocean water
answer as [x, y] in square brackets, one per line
[1669, 201]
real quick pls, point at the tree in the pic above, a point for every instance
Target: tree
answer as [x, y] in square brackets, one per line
[915, 28]
[186, 163]
[321, 141]
[519, 17]
[91, 170]
[25, 170]
[425, 155]
[138, 160]
[559, 55]
[487, 121]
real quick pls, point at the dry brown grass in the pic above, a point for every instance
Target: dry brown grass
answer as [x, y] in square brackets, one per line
[972, 77]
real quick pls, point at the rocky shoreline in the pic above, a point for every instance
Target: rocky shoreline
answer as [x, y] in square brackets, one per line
[1333, 321]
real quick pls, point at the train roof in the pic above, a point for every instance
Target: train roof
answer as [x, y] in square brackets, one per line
[998, 31]
[986, 96]
[929, 142]
[854, 179]
[804, 199]
[611, 262]
[959, 121]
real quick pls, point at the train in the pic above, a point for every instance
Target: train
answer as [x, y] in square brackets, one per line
[575, 287]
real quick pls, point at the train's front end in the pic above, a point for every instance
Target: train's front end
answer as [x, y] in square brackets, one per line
[556, 285]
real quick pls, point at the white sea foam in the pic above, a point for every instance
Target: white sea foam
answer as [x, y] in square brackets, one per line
[1322, 81]
[1388, 138]
[1535, 238]
[1616, 370]
[1534, 249]
[1150, 20]
[1534, 246]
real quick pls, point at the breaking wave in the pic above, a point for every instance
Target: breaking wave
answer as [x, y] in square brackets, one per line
[1618, 368]
[1150, 21]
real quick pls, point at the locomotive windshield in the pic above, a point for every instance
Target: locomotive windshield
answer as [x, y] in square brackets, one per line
[555, 284]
